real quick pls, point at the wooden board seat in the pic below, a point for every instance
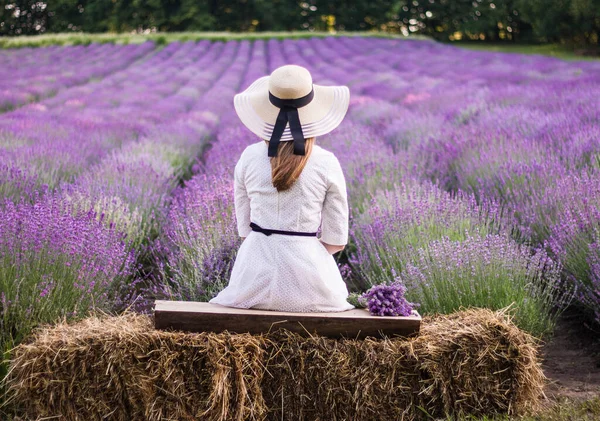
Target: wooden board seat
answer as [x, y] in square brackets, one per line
[205, 317]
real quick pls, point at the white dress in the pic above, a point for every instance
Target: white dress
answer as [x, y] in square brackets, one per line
[283, 272]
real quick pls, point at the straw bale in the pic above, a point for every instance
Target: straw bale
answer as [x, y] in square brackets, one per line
[120, 368]
[478, 362]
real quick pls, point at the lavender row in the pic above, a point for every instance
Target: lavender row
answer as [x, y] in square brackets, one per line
[54, 141]
[30, 74]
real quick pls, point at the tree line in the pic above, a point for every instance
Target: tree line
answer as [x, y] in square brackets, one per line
[573, 21]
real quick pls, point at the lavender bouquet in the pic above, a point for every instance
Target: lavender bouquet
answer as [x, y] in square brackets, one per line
[385, 300]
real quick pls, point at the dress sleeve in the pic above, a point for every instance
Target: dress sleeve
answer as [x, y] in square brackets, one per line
[242, 201]
[334, 216]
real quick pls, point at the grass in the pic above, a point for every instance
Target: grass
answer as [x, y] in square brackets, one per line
[565, 410]
[81, 38]
[554, 50]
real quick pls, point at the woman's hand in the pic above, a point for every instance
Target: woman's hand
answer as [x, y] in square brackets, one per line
[332, 249]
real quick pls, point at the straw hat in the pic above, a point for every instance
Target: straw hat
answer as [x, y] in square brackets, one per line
[322, 107]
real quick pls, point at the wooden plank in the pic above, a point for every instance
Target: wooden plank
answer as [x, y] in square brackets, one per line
[205, 317]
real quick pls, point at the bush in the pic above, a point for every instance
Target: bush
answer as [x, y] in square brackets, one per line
[491, 272]
[575, 239]
[408, 218]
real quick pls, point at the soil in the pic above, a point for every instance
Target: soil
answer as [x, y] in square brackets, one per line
[571, 360]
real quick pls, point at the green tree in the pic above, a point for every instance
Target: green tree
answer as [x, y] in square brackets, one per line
[490, 20]
[190, 15]
[284, 15]
[575, 21]
[22, 17]
[353, 15]
[79, 15]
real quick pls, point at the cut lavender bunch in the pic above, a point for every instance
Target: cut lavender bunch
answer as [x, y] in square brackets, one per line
[387, 300]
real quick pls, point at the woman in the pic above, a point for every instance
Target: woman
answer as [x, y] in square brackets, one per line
[285, 188]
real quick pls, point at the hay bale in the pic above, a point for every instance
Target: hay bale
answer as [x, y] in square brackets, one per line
[119, 368]
[478, 362]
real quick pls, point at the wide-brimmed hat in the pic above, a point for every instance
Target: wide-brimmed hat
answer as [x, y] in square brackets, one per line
[272, 106]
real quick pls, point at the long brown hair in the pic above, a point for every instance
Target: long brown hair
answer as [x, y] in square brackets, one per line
[287, 167]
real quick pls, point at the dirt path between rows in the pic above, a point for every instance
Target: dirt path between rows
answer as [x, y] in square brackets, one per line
[571, 360]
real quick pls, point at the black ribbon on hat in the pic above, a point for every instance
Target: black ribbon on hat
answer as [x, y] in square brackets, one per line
[288, 112]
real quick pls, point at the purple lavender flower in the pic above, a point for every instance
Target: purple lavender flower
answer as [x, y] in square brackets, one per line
[388, 300]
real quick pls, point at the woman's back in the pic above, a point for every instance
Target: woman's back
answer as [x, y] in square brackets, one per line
[319, 192]
[282, 272]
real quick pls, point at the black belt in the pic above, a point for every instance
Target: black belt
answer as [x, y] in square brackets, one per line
[266, 231]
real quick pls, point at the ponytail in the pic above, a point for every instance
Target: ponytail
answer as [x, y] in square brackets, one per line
[287, 167]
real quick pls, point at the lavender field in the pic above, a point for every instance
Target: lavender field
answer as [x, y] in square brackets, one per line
[473, 177]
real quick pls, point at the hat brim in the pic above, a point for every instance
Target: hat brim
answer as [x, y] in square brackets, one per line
[324, 113]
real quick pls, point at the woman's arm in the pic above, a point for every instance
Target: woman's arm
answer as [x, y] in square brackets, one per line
[334, 215]
[241, 200]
